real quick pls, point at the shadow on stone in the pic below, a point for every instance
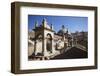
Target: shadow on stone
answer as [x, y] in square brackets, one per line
[73, 53]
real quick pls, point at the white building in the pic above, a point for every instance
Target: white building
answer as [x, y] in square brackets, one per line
[44, 42]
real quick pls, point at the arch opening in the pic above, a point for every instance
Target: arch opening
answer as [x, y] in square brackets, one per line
[49, 43]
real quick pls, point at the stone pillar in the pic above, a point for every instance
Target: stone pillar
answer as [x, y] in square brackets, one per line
[35, 47]
[53, 50]
[65, 44]
[72, 42]
[45, 50]
[35, 25]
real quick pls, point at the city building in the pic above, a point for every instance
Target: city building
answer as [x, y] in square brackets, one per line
[45, 43]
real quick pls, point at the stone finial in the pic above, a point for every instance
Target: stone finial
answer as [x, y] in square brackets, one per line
[44, 22]
[36, 24]
[51, 26]
[67, 31]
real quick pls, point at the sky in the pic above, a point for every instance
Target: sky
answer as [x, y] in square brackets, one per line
[73, 23]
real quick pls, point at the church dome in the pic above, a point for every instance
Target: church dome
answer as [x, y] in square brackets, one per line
[62, 31]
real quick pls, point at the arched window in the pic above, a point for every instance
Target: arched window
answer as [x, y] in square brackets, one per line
[39, 38]
[49, 43]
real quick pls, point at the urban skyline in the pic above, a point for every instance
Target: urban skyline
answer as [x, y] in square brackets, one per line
[72, 23]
